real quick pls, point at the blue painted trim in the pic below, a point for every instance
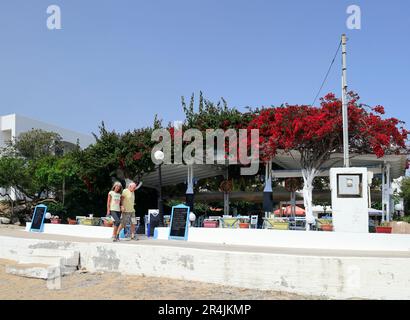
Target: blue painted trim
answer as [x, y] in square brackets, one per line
[185, 237]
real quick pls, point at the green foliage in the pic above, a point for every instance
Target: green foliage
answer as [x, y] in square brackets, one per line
[57, 209]
[213, 115]
[406, 219]
[377, 205]
[34, 166]
[245, 207]
[13, 171]
[405, 194]
[115, 156]
[38, 143]
[200, 208]
[321, 183]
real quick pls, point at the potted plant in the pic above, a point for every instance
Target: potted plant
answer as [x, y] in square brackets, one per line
[57, 210]
[280, 224]
[71, 221]
[244, 223]
[55, 220]
[107, 222]
[384, 228]
[325, 224]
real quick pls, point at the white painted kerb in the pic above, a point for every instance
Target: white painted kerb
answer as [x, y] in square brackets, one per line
[297, 239]
[76, 230]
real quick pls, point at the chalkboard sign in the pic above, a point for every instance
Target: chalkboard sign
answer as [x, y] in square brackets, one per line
[179, 222]
[38, 218]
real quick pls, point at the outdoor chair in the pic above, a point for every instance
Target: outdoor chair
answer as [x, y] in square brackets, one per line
[230, 223]
[297, 223]
[254, 222]
[268, 223]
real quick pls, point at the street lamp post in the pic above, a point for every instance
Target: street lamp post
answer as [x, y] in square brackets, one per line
[345, 116]
[159, 155]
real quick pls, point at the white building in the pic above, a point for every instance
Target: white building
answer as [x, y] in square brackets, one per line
[13, 125]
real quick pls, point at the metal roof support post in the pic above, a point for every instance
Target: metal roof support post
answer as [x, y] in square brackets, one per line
[189, 194]
[383, 192]
[386, 193]
[226, 194]
[267, 191]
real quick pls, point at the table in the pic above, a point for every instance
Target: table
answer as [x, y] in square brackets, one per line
[276, 223]
[232, 222]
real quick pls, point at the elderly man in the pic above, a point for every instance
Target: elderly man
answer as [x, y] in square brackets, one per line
[127, 209]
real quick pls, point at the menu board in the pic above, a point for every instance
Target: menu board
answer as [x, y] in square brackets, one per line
[38, 218]
[179, 222]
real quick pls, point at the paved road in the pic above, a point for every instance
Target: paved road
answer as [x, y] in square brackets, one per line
[19, 232]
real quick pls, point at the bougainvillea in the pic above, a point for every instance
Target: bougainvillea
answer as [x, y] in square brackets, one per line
[317, 132]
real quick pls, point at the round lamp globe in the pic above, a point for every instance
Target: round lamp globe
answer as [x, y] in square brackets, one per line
[159, 155]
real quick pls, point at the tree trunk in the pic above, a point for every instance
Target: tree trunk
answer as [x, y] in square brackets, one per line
[63, 191]
[308, 177]
[12, 207]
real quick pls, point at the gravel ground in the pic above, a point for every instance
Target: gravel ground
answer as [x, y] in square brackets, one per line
[98, 286]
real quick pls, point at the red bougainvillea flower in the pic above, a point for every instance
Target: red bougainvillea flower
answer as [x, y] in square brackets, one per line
[88, 184]
[379, 109]
[316, 132]
[122, 163]
[137, 156]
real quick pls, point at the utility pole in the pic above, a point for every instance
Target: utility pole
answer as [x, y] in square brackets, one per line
[344, 106]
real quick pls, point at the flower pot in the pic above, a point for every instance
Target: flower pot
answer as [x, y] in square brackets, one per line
[210, 224]
[55, 221]
[244, 225]
[383, 229]
[71, 221]
[326, 227]
[281, 225]
[89, 221]
[108, 223]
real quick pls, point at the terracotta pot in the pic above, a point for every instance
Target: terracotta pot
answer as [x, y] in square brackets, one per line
[210, 224]
[71, 221]
[244, 225]
[326, 227]
[383, 229]
[108, 223]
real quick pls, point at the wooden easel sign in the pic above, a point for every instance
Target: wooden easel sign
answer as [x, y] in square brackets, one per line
[179, 223]
[37, 222]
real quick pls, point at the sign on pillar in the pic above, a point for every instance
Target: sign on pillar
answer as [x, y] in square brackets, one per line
[349, 199]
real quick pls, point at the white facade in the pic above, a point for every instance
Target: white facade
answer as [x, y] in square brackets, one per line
[13, 125]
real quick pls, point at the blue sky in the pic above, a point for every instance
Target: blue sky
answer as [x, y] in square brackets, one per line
[123, 61]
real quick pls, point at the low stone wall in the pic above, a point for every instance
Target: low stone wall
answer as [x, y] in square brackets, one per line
[296, 239]
[96, 232]
[334, 277]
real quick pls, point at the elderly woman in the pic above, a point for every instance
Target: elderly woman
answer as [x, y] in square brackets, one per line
[114, 207]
